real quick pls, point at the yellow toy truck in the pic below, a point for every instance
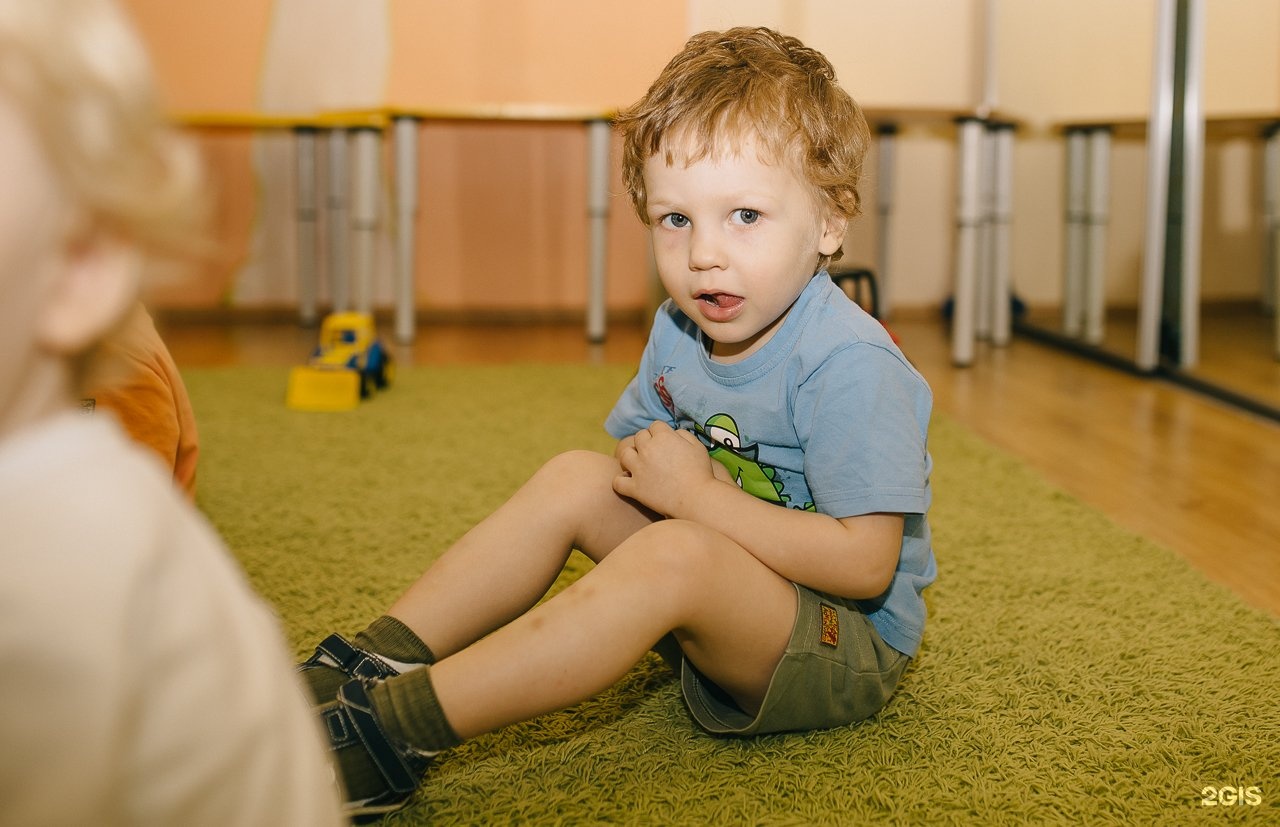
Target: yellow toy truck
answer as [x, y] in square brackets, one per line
[348, 365]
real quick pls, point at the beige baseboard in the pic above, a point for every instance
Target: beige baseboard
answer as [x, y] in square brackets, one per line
[280, 314]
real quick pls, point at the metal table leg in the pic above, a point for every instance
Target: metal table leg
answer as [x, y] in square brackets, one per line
[405, 135]
[1271, 278]
[338, 224]
[885, 144]
[968, 224]
[364, 214]
[306, 214]
[1001, 136]
[599, 139]
[1098, 194]
[1074, 247]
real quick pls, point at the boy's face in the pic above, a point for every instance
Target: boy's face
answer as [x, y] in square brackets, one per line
[736, 240]
[32, 221]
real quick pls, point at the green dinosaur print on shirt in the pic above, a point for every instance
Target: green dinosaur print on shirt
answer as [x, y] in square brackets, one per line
[756, 478]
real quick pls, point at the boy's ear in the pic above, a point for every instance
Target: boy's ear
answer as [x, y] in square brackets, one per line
[833, 231]
[96, 284]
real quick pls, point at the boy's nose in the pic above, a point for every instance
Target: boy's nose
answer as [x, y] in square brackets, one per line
[705, 250]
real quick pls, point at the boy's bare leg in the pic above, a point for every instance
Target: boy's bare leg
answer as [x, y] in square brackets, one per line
[503, 565]
[732, 616]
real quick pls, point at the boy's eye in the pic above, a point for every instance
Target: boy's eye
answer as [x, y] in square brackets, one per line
[675, 220]
[746, 216]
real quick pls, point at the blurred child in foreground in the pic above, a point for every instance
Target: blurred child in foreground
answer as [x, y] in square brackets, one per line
[144, 682]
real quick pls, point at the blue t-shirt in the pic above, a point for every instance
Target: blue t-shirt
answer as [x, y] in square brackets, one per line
[827, 416]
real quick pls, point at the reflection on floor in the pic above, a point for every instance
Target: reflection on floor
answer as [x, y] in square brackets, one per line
[1237, 346]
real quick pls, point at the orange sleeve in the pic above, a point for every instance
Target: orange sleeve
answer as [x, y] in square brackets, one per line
[151, 401]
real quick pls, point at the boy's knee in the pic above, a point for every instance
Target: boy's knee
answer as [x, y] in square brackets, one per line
[578, 466]
[577, 476]
[682, 550]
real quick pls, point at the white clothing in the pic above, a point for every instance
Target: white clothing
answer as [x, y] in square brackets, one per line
[142, 681]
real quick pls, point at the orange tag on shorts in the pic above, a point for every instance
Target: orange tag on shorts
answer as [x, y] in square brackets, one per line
[830, 626]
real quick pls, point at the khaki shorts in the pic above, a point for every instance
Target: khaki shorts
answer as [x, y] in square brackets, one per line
[836, 670]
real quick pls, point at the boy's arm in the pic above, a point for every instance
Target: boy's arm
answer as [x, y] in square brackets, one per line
[669, 471]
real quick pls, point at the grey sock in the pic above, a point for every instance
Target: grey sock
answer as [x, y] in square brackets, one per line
[410, 712]
[390, 638]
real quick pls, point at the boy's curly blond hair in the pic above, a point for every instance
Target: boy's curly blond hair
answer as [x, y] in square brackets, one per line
[751, 82]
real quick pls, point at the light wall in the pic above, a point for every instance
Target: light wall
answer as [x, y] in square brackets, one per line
[875, 45]
[502, 226]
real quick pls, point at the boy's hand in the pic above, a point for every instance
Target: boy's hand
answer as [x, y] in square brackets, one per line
[663, 468]
[669, 472]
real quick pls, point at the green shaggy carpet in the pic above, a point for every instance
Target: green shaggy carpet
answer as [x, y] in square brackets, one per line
[1071, 673]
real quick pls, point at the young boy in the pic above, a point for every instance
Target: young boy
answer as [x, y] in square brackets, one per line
[144, 683]
[765, 507]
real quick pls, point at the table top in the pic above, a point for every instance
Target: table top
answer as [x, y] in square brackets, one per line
[381, 117]
[370, 119]
[1227, 125]
[926, 115]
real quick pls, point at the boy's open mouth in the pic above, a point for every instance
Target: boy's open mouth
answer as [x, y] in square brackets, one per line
[720, 307]
[722, 300]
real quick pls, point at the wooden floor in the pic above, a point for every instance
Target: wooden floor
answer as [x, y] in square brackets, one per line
[1185, 471]
[1237, 349]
